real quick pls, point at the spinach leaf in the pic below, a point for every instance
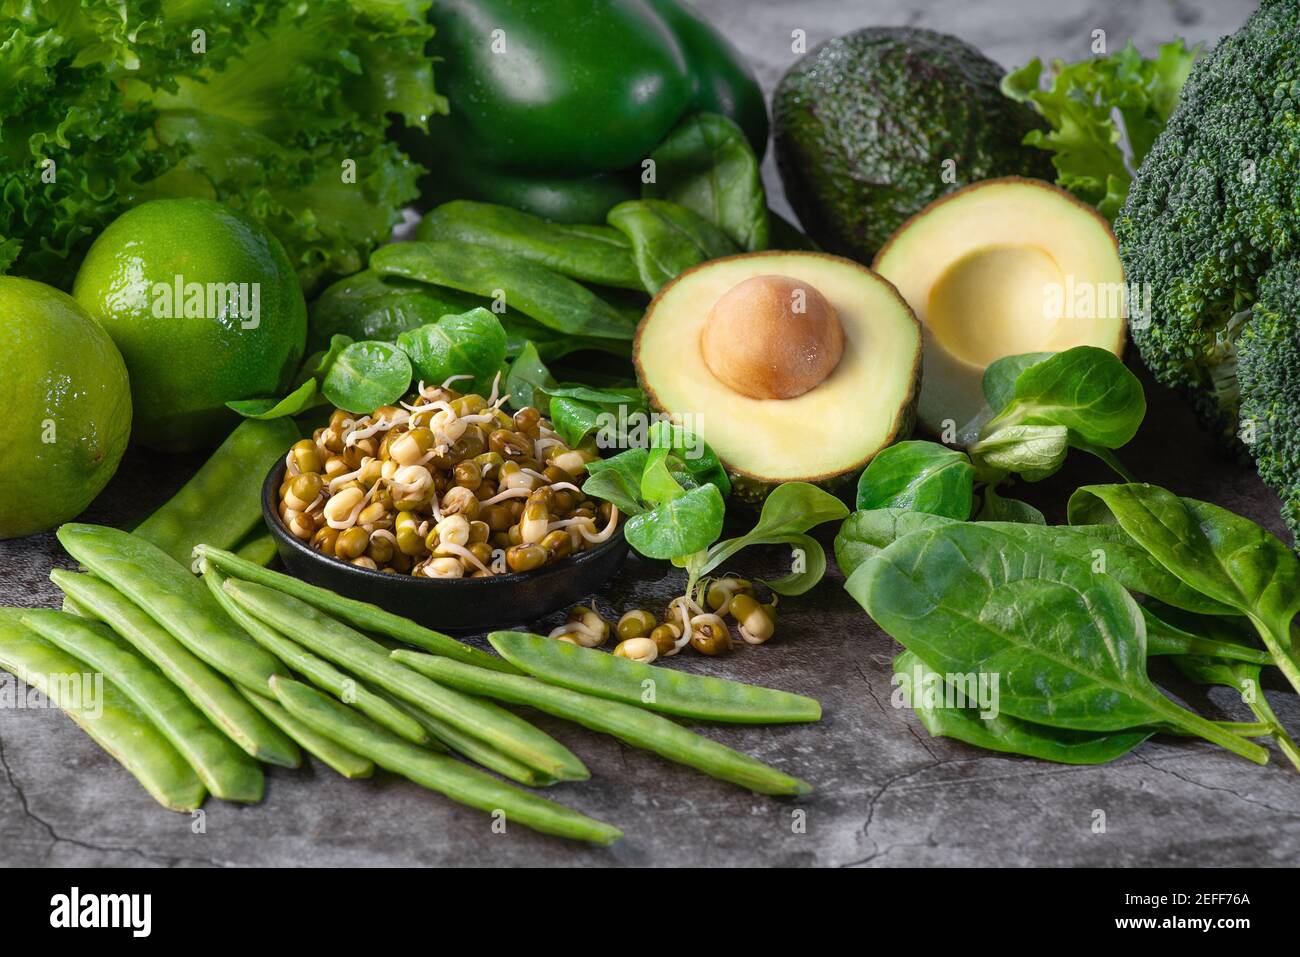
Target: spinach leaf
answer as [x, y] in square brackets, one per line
[366, 375]
[968, 600]
[1003, 732]
[595, 254]
[1224, 556]
[1086, 389]
[922, 476]
[618, 480]
[1000, 377]
[1107, 549]
[995, 508]
[680, 526]
[692, 452]
[1244, 678]
[528, 380]
[1171, 632]
[667, 239]
[473, 343]
[706, 165]
[547, 297]
[1033, 451]
[788, 513]
[300, 399]
[574, 420]
[367, 305]
[551, 344]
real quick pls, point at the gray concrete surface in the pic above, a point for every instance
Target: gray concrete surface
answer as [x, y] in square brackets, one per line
[886, 794]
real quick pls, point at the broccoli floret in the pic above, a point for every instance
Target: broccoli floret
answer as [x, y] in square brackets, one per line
[1214, 207]
[1268, 371]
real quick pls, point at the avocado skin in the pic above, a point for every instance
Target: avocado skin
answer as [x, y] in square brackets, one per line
[863, 123]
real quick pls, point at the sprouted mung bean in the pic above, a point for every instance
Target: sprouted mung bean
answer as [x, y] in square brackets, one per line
[445, 485]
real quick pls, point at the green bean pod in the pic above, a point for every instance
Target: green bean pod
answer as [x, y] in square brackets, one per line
[210, 692]
[112, 721]
[640, 729]
[226, 771]
[470, 747]
[222, 503]
[259, 549]
[172, 597]
[345, 762]
[657, 689]
[367, 659]
[555, 301]
[436, 772]
[358, 614]
[316, 670]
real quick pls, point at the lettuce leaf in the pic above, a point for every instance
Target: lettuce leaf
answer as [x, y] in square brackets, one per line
[264, 118]
[1104, 115]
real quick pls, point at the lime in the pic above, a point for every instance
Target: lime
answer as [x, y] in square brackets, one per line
[206, 308]
[66, 405]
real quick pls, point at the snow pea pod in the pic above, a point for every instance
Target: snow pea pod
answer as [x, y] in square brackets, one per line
[480, 752]
[369, 660]
[640, 729]
[436, 772]
[345, 762]
[657, 689]
[111, 720]
[260, 549]
[555, 301]
[359, 614]
[211, 693]
[225, 770]
[223, 501]
[172, 597]
[317, 670]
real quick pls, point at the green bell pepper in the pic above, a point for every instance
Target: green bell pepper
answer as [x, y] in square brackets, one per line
[555, 106]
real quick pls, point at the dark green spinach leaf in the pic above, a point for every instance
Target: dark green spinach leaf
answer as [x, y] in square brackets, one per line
[922, 476]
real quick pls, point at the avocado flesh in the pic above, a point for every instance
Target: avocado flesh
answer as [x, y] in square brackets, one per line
[1001, 268]
[862, 406]
[870, 127]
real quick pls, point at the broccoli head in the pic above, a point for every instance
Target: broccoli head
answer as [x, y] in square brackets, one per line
[1214, 208]
[1268, 371]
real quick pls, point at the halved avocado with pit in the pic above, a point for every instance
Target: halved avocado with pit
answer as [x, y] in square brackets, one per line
[794, 366]
[1002, 267]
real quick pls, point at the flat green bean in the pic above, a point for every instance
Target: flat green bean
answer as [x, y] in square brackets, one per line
[211, 693]
[656, 689]
[172, 597]
[640, 729]
[596, 254]
[259, 549]
[468, 746]
[555, 301]
[316, 670]
[437, 772]
[345, 762]
[222, 502]
[226, 771]
[358, 614]
[109, 717]
[369, 660]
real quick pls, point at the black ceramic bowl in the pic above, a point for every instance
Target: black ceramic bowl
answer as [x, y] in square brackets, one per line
[449, 604]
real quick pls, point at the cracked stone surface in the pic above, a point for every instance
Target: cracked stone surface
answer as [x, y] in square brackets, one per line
[886, 793]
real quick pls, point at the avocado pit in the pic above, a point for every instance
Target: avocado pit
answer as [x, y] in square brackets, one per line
[772, 337]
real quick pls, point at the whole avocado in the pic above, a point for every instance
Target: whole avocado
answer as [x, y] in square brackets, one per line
[864, 124]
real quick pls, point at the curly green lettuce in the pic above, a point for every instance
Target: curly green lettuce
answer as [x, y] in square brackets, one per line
[280, 109]
[1096, 108]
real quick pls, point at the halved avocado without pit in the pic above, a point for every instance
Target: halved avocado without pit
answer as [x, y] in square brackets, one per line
[792, 365]
[1001, 267]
